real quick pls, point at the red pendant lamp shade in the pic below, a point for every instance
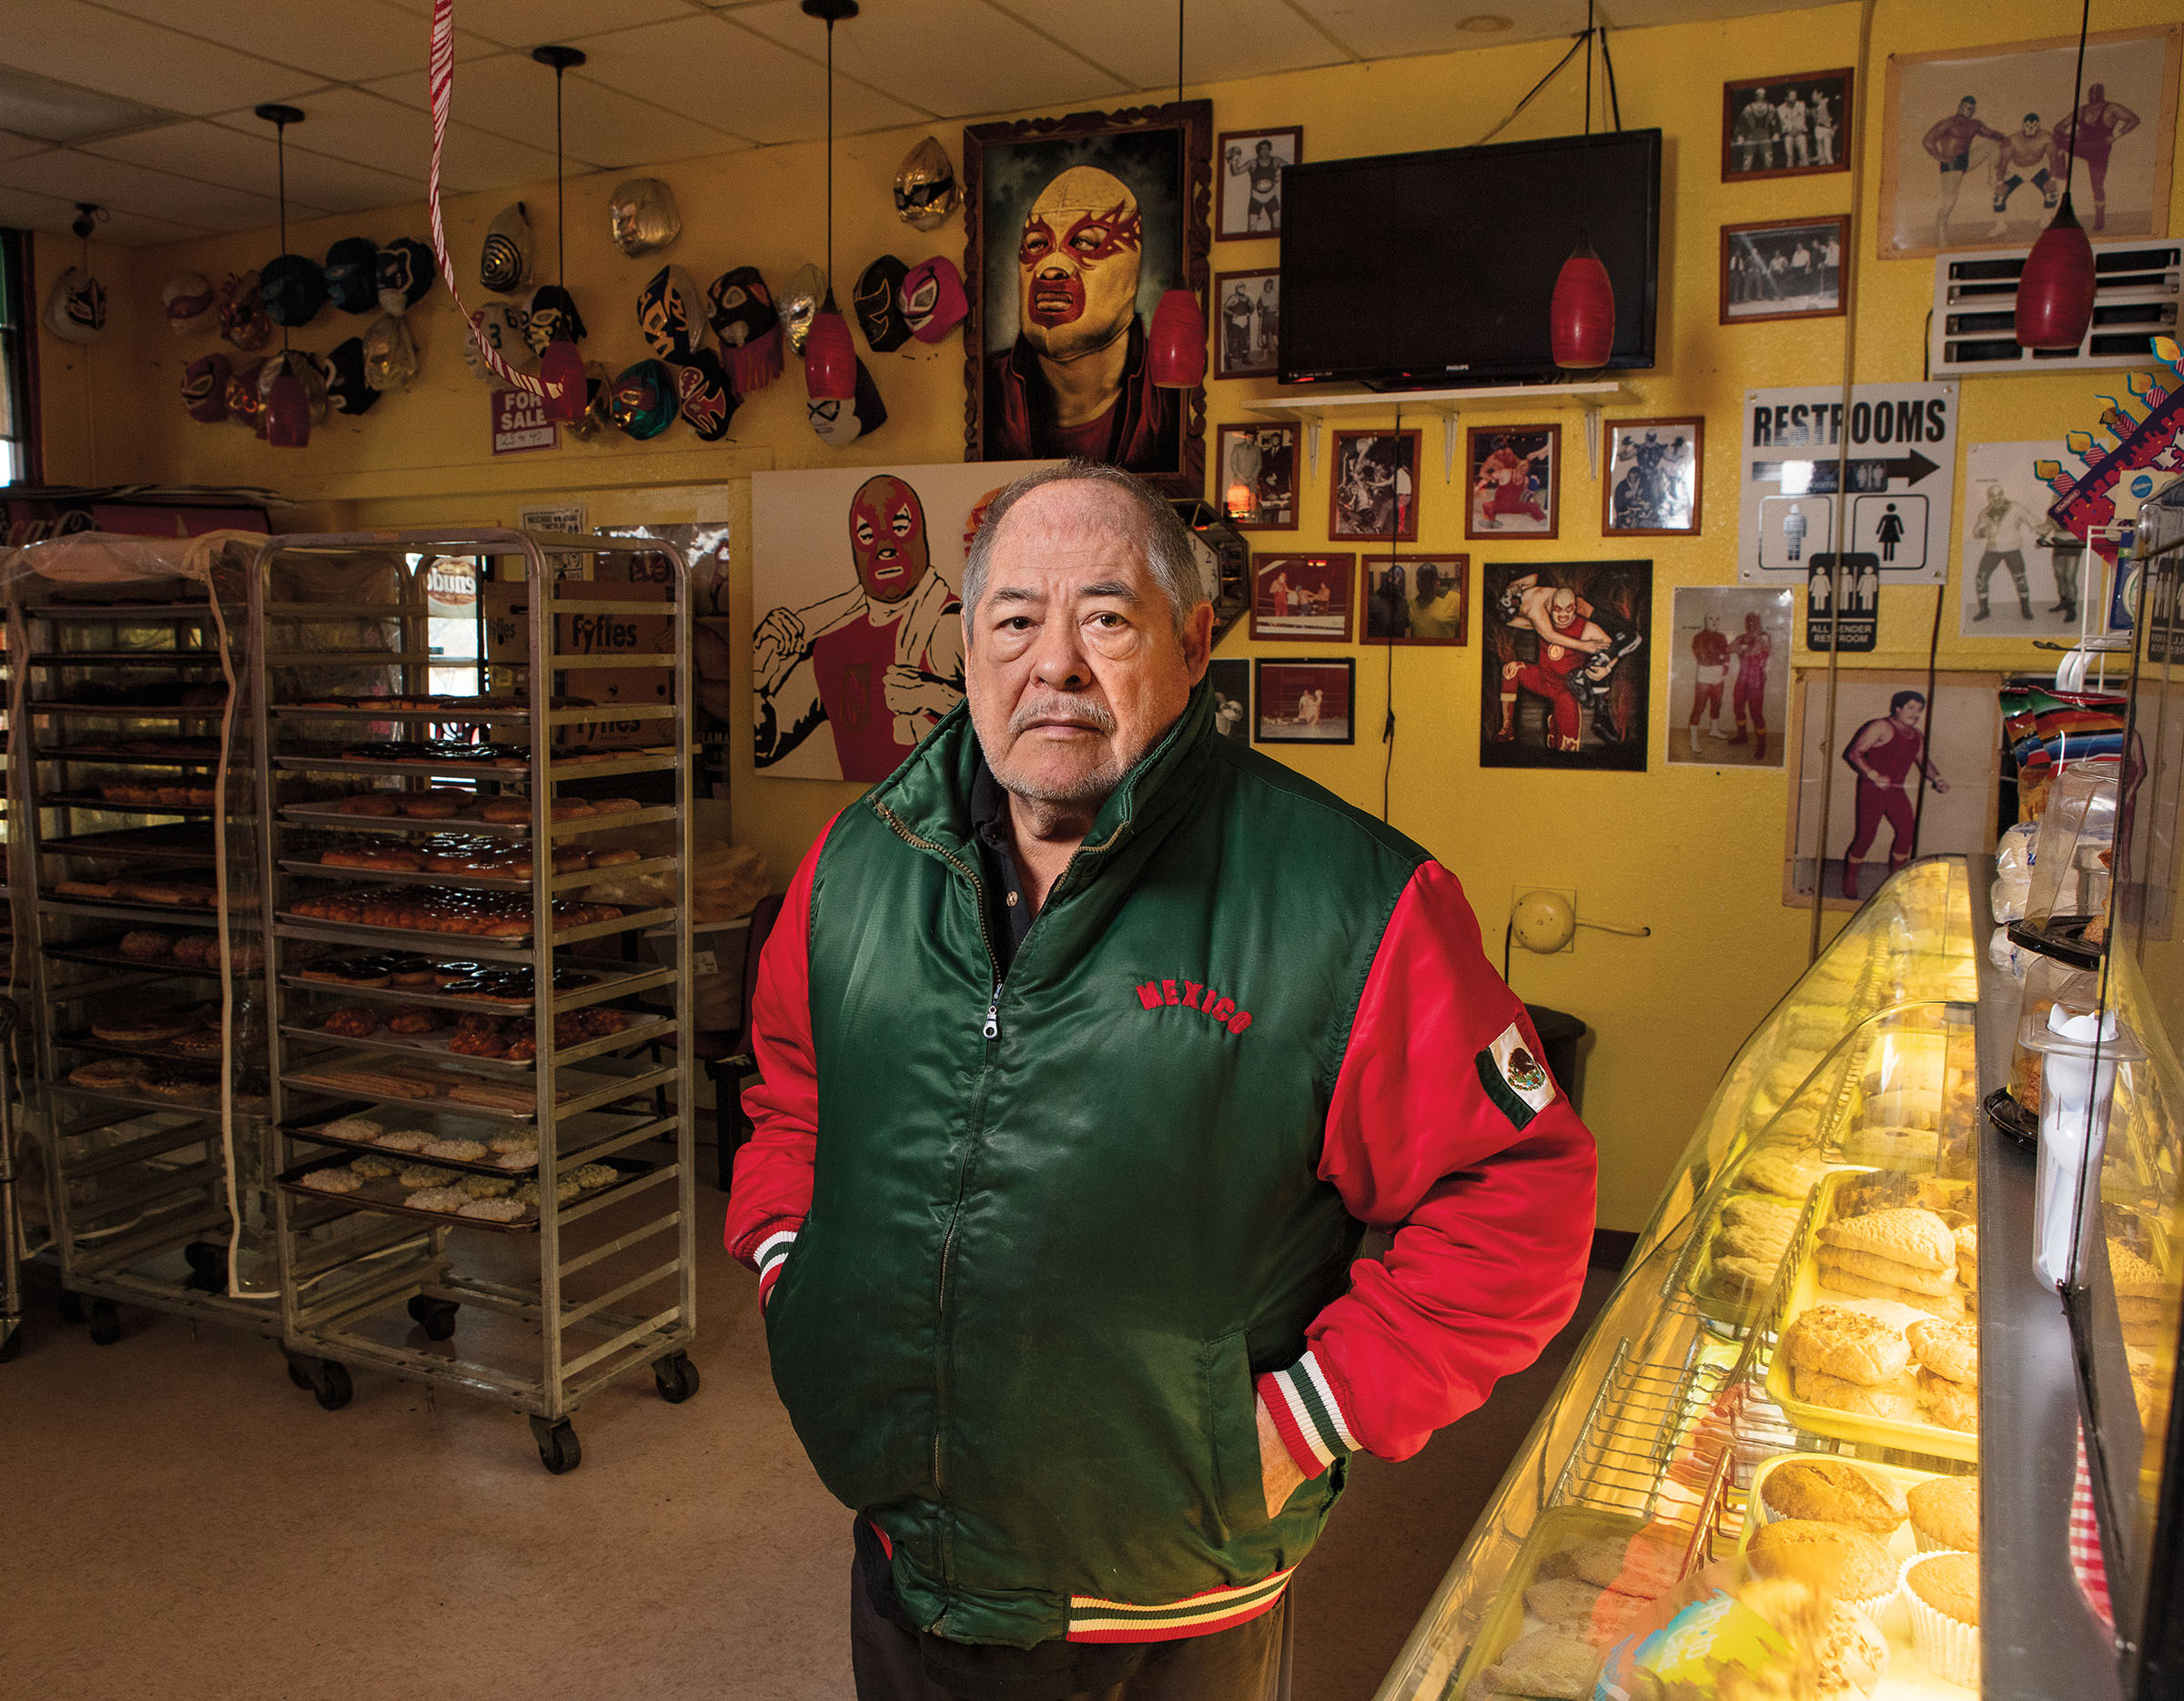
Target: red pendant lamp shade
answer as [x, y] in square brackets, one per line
[561, 377]
[1176, 356]
[2055, 293]
[830, 359]
[1581, 318]
[287, 413]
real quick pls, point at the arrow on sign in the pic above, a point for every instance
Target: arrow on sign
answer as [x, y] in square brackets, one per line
[1865, 475]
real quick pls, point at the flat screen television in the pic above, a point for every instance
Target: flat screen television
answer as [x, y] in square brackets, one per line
[1415, 270]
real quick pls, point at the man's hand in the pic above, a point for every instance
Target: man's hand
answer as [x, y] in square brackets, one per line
[1281, 1478]
[911, 691]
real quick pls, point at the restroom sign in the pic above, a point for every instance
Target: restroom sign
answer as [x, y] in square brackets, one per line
[1892, 448]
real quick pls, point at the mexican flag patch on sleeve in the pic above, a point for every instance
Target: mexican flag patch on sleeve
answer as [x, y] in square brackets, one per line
[1515, 1079]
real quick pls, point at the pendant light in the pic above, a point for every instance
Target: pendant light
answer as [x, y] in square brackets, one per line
[2055, 291]
[560, 366]
[830, 359]
[1581, 317]
[1175, 346]
[288, 407]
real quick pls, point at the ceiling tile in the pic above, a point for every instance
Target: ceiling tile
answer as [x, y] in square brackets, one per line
[509, 95]
[13, 147]
[75, 175]
[244, 159]
[705, 66]
[368, 129]
[24, 210]
[35, 105]
[526, 24]
[1136, 39]
[344, 43]
[955, 57]
[1390, 29]
[103, 50]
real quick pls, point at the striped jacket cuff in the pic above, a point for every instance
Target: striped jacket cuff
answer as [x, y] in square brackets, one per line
[1302, 1402]
[768, 1257]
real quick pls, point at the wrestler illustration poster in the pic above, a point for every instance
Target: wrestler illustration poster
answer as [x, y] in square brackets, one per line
[1074, 229]
[1913, 773]
[2011, 582]
[1977, 148]
[1564, 678]
[856, 644]
[1729, 676]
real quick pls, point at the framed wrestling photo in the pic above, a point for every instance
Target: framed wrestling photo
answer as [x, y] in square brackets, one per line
[1306, 703]
[1654, 469]
[1978, 143]
[1073, 230]
[1247, 324]
[1417, 599]
[1783, 268]
[1372, 488]
[1513, 476]
[1303, 599]
[1257, 468]
[1251, 163]
[1729, 676]
[1786, 127]
[1565, 670]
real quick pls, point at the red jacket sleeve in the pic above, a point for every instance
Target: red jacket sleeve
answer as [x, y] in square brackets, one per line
[772, 1193]
[1445, 1125]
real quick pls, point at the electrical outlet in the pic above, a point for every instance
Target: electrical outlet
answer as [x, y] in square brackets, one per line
[1567, 894]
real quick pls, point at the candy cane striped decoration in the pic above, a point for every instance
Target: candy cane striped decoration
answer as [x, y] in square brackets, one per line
[443, 91]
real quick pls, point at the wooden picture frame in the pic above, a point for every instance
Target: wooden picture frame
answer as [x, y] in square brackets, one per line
[1795, 140]
[1162, 158]
[1658, 493]
[1247, 344]
[1304, 599]
[1271, 484]
[1239, 179]
[1380, 621]
[1484, 508]
[1366, 498]
[1279, 685]
[1749, 253]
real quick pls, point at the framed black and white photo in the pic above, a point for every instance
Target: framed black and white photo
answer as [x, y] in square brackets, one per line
[1372, 488]
[1306, 703]
[1783, 268]
[1654, 469]
[1786, 127]
[1250, 168]
[1257, 468]
[1417, 599]
[1247, 323]
[1230, 683]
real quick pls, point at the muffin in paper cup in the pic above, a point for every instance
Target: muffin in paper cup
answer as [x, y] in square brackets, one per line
[1949, 1646]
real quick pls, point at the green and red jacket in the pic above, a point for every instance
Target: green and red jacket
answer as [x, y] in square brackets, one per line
[1029, 1245]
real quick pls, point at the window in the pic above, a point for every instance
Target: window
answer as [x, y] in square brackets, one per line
[18, 316]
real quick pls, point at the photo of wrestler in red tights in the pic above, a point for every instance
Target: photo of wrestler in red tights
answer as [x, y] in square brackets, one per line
[1886, 752]
[1748, 700]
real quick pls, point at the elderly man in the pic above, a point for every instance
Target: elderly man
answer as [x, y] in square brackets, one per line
[1090, 1043]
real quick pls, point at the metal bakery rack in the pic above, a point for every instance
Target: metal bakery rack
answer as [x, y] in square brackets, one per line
[120, 703]
[446, 973]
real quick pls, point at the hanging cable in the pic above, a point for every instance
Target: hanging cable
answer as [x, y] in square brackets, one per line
[1533, 90]
[1607, 64]
[830, 158]
[1395, 553]
[2078, 94]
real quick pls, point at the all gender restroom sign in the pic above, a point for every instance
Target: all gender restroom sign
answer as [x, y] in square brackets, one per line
[1900, 485]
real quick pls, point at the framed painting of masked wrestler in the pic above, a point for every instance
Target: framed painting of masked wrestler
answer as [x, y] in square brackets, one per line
[1074, 229]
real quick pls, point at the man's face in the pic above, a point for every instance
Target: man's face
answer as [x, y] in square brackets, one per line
[1072, 664]
[1911, 714]
[1078, 262]
[1752, 624]
[1998, 498]
[1266, 153]
[2032, 124]
[1561, 607]
[1966, 107]
[887, 539]
[1429, 584]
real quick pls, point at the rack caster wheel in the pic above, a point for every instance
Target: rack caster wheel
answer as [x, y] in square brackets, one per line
[299, 1373]
[676, 1378]
[72, 1307]
[559, 1450]
[11, 1343]
[207, 1267]
[435, 1317]
[327, 1379]
[106, 1323]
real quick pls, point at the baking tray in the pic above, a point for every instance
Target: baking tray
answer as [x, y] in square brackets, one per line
[1556, 1530]
[130, 711]
[91, 800]
[120, 909]
[106, 752]
[207, 1105]
[386, 1195]
[611, 984]
[1738, 1315]
[83, 1039]
[642, 762]
[575, 880]
[317, 815]
[103, 952]
[434, 1047]
[454, 1127]
[1804, 1292]
[507, 947]
[159, 844]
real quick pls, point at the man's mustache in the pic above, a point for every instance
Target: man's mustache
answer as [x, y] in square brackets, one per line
[1061, 706]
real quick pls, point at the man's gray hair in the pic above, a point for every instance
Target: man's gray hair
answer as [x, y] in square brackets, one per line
[1169, 554]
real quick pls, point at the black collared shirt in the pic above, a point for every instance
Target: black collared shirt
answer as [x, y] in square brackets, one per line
[1009, 910]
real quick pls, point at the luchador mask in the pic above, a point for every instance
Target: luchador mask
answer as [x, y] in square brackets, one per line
[925, 188]
[405, 274]
[643, 401]
[187, 298]
[390, 353]
[76, 309]
[245, 406]
[504, 262]
[800, 303]
[707, 402]
[348, 388]
[307, 373]
[887, 538]
[670, 311]
[205, 389]
[840, 423]
[1078, 263]
[879, 305]
[933, 300]
[352, 274]
[242, 310]
[501, 326]
[642, 216]
[741, 310]
[293, 288]
[553, 318]
[597, 387]
[1561, 609]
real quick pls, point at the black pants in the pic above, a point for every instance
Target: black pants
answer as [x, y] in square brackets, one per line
[1249, 1663]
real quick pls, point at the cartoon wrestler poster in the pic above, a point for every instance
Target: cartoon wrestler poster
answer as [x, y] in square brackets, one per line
[1565, 682]
[1074, 229]
[857, 641]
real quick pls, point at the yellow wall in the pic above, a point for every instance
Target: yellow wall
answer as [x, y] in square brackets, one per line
[1693, 853]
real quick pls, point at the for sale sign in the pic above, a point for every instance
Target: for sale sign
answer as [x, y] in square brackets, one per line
[520, 422]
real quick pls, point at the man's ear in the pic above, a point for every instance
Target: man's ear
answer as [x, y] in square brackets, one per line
[1198, 640]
